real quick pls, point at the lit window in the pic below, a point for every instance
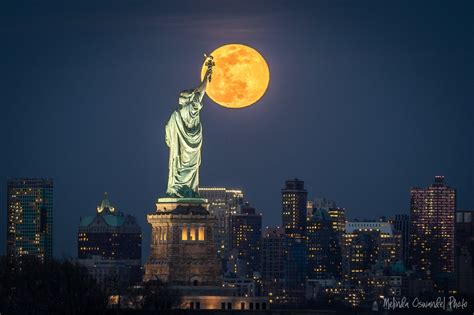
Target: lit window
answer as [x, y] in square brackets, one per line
[192, 233]
[201, 233]
[184, 233]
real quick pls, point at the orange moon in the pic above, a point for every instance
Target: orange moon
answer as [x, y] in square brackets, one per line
[239, 78]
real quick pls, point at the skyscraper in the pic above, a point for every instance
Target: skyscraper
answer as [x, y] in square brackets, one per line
[296, 267]
[338, 216]
[432, 228]
[110, 245]
[294, 220]
[246, 238]
[222, 203]
[30, 218]
[401, 223]
[218, 198]
[324, 251]
[273, 258]
[284, 266]
[464, 252]
[294, 208]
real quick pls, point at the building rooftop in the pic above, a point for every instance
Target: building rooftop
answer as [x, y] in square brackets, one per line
[115, 220]
[108, 215]
[384, 227]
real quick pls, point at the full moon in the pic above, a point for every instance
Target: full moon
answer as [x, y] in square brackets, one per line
[239, 78]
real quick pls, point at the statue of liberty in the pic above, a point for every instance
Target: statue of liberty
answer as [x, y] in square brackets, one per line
[183, 136]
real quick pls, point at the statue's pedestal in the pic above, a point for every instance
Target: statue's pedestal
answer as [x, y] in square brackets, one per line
[182, 246]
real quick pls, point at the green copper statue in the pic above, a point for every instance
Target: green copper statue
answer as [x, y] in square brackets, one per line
[183, 136]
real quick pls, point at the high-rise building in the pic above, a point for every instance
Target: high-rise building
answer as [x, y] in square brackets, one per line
[324, 251]
[30, 218]
[110, 245]
[246, 238]
[464, 252]
[218, 198]
[401, 223]
[294, 220]
[296, 267]
[294, 208]
[366, 243]
[222, 203]
[273, 260]
[284, 266]
[432, 212]
[338, 216]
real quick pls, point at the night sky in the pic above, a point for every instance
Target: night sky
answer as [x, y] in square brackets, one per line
[366, 99]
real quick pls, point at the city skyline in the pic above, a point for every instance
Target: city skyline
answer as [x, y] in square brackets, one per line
[72, 251]
[366, 143]
[322, 260]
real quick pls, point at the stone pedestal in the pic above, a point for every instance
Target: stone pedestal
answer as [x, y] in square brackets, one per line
[182, 247]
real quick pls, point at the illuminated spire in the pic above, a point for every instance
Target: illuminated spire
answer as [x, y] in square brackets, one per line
[105, 205]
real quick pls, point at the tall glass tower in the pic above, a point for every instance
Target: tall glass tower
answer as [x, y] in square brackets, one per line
[29, 218]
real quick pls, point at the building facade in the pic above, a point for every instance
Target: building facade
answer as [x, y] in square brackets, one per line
[182, 249]
[273, 264]
[401, 223]
[246, 239]
[432, 213]
[294, 208]
[464, 252]
[338, 216]
[294, 219]
[368, 244]
[30, 206]
[296, 268]
[110, 245]
[222, 203]
[324, 251]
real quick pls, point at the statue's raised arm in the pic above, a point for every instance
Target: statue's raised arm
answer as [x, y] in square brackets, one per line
[184, 139]
[201, 89]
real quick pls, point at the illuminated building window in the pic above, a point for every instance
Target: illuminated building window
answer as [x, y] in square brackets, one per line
[184, 233]
[192, 234]
[201, 233]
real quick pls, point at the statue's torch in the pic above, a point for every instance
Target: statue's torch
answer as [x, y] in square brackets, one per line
[209, 63]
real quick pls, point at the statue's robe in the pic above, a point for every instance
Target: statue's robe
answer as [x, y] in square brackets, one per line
[183, 136]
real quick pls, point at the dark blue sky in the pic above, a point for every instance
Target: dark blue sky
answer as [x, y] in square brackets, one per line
[366, 99]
